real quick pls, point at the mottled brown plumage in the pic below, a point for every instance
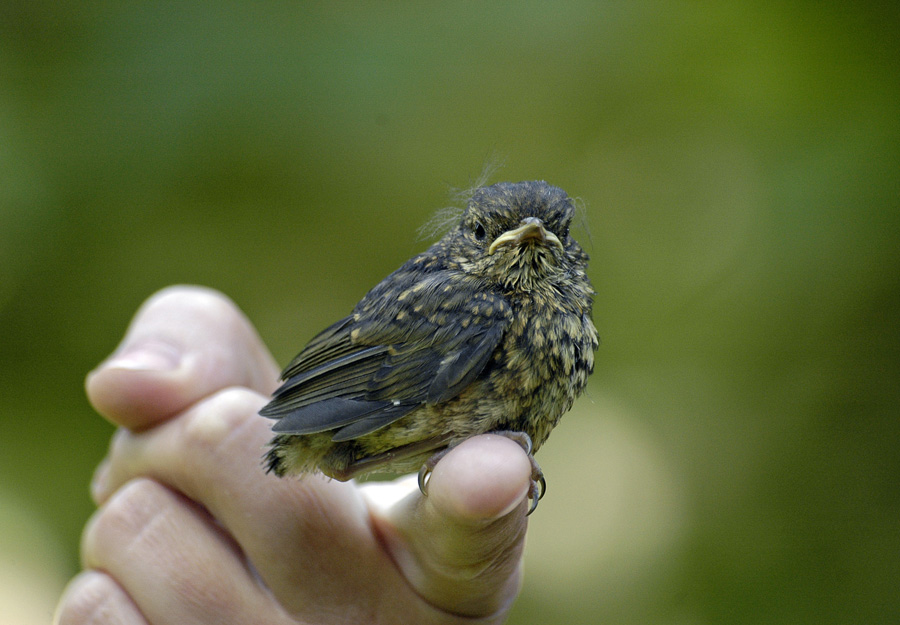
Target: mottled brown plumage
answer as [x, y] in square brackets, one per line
[489, 330]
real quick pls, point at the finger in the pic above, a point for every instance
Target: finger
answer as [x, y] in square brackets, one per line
[183, 344]
[310, 539]
[94, 598]
[173, 561]
[461, 547]
[289, 528]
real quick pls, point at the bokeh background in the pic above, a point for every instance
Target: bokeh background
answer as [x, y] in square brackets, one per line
[736, 458]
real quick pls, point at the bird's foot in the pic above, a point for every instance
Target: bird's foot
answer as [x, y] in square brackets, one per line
[428, 467]
[538, 484]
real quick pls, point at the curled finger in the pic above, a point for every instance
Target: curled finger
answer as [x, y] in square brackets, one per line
[95, 598]
[182, 345]
[174, 562]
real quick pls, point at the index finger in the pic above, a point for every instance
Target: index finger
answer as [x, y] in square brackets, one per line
[183, 344]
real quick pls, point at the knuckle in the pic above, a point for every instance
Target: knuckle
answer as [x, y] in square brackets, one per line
[124, 520]
[206, 307]
[200, 299]
[220, 416]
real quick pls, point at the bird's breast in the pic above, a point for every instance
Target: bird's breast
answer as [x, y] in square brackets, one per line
[543, 361]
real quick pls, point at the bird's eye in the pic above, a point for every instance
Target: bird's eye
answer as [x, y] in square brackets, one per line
[480, 232]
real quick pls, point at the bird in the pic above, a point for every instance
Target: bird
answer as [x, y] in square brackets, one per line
[487, 331]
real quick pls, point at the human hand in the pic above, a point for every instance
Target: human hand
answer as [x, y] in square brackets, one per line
[190, 529]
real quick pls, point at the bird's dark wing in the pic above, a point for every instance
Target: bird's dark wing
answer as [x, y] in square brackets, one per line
[401, 348]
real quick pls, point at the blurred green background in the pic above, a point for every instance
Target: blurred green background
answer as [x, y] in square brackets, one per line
[737, 457]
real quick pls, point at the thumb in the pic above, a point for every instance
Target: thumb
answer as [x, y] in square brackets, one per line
[461, 546]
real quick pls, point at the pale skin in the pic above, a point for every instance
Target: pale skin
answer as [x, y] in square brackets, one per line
[190, 529]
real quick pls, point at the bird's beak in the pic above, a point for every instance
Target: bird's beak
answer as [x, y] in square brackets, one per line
[529, 228]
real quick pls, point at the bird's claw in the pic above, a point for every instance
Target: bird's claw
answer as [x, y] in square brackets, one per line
[538, 483]
[428, 467]
[424, 476]
[538, 487]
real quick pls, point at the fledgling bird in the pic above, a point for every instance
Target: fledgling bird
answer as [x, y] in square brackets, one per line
[489, 330]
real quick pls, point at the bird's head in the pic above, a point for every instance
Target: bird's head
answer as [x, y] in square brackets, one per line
[517, 235]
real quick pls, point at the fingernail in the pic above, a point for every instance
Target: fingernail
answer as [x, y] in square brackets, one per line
[150, 356]
[99, 481]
